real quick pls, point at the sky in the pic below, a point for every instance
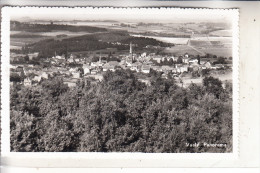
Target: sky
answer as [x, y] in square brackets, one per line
[121, 14]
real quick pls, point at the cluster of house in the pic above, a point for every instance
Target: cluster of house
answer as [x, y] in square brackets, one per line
[32, 74]
[14, 57]
[143, 63]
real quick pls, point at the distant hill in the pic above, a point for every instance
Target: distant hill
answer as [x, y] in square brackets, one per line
[119, 40]
[18, 26]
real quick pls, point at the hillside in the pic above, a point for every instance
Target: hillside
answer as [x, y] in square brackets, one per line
[17, 26]
[119, 40]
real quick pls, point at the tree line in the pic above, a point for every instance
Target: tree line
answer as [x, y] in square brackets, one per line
[19, 26]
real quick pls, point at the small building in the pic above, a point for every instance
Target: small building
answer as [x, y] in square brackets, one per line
[219, 66]
[193, 61]
[182, 68]
[70, 60]
[59, 57]
[108, 67]
[94, 64]
[208, 65]
[164, 75]
[145, 69]
[136, 66]
[12, 66]
[203, 67]
[157, 59]
[129, 62]
[144, 54]
[195, 67]
[185, 60]
[94, 71]
[76, 74]
[86, 69]
[37, 78]
[71, 82]
[156, 68]
[27, 82]
[145, 81]
[16, 57]
[113, 63]
[228, 66]
[77, 60]
[33, 55]
[20, 69]
[203, 61]
[174, 70]
[166, 69]
[44, 75]
[122, 63]
[98, 77]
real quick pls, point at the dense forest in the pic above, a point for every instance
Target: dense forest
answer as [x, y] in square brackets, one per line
[121, 114]
[48, 47]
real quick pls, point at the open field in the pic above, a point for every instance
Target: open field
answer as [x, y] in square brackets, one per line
[173, 40]
[68, 33]
[225, 52]
[48, 34]
[182, 49]
[199, 43]
[211, 38]
[223, 33]
[18, 43]
[20, 38]
[15, 47]
[220, 46]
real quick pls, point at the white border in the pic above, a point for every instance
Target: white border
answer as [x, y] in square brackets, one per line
[112, 159]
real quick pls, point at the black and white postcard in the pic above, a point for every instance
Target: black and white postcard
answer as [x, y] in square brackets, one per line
[126, 83]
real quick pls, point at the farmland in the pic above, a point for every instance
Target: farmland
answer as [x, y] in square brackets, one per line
[222, 33]
[182, 49]
[204, 40]
[174, 40]
[19, 42]
[197, 45]
[225, 52]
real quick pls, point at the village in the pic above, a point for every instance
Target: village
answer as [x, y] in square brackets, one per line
[99, 80]
[74, 68]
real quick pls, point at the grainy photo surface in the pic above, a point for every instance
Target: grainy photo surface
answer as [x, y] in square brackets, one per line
[121, 80]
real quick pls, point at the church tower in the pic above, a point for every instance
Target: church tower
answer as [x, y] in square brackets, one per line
[131, 48]
[131, 52]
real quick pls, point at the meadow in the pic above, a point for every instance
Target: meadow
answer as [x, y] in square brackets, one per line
[223, 33]
[182, 49]
[174, 40]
